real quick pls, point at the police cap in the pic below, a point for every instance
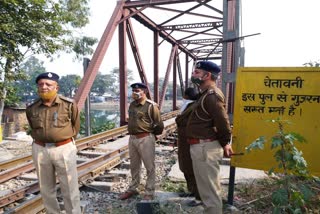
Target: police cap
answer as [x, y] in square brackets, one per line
[48, 75]
[208, 66]
[138, 85]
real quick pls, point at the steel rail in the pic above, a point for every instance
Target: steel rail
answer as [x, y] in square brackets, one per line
[87, 171]
[35, 205]
[14, 162]
[103, 136]
[82, 143]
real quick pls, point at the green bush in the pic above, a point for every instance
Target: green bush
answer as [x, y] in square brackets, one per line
[293, 193]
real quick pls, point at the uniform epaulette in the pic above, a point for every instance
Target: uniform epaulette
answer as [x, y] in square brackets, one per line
[152, 102]
[211, 91]
[31, 104]
[217, 92]
[66, 98]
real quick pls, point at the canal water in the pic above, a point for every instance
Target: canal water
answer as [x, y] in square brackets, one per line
[100, 116]
[102, 113]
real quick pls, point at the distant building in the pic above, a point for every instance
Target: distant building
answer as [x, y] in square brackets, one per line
[13, 120]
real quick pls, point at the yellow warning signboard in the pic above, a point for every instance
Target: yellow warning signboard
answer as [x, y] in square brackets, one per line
[264, 94]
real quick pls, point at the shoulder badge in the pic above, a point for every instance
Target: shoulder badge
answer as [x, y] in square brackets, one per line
[217, 92]
[66, 99]
[31, 104]
[211, 91]
[152, 102]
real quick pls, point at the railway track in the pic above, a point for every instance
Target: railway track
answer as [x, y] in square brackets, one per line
[96, 154]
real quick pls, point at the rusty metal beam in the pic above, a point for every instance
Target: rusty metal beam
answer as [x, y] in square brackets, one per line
[174, 82]
[123, 74]
[212, 8]
[205, 57]
[166, 79]
[186, 73]
[188, 13]
[193, 25]
[230, 63]
[207, 45]
[137, 57]
[190, 9]
[142, 3]
[211, 51]
[197, 33]
[180, 74]
[199, 41]
[91, 73]
[153, 26]
[131, 14]
[156, 66]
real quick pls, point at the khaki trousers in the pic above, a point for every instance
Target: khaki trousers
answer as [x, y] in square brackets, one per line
[142, 150]
[205, 160]
[185, 162]
[60, 161]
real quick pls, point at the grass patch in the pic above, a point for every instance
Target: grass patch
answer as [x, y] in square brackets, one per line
[255, 197]
[170, 186]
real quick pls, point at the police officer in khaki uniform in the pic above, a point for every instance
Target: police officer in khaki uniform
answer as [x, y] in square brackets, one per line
[209, 134]
[184, 158]
[55, 122]
[144, 123]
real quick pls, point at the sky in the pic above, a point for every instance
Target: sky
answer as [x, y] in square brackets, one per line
[289, 36]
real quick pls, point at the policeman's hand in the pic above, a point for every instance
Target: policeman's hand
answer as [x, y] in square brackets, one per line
[227, 151]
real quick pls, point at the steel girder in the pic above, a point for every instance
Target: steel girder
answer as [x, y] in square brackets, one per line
[210, 35]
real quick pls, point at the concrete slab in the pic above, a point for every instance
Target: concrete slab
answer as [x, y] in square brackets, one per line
[5, 154]
[175, 174]
[242, 175]
[29, 176]
[22, 136]
[101, 185]
[110, 146]
[120, 173]
[164, 148]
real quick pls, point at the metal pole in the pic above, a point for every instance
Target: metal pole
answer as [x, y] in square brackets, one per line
[231, 30]
[232, 175]
[86, 62]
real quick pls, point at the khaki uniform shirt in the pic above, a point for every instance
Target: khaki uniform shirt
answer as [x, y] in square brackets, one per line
[144, 117]
[182, 119]
[56, 123]
[209, 118]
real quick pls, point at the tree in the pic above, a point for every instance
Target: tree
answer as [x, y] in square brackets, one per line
[169, 91]
[109, 82]
[69, 84]
[115, 76]
[26, 87]
[82, 46]
[103, 83]
[36, 27]
[312, 64]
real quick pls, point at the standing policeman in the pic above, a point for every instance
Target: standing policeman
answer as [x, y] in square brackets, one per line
[144, 123]
[184, 157]
[209, 134]
[55, 122]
